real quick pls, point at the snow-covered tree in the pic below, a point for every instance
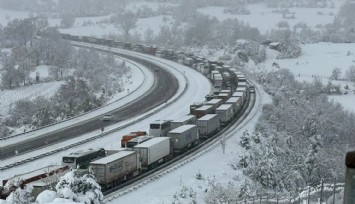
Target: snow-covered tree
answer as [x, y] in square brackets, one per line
[20, 194]
[336, 73]
[9, 76]
[350, 73]
[245, 140]
[79, 189]
[126, 21]
[219, 194]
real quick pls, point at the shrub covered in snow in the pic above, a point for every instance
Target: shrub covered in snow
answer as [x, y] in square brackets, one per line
[79, 189]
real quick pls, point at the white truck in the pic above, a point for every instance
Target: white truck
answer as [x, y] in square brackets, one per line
[236, 102]
[241, 92]
[225, 113]
[184, 137]
[116, 168]
[203, 110]
[208, 125]
[214, 102]
[154, 151]
[185, 120]
[217, 80]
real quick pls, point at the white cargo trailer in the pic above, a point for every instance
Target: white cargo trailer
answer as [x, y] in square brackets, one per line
[236, 102]
[116, 168]
[154, 151]
[242, 84]
[214, 102]
[138, 140]
[223, 96]
[184, 137]
[203, 110]
[185, 120]
[239, 94]
[208, 125]
[225, 113]
[226, 91]
[213, 73]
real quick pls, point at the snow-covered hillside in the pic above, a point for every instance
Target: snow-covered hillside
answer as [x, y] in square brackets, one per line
[318, 60]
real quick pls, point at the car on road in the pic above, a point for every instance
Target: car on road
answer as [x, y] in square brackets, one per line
[107, 117]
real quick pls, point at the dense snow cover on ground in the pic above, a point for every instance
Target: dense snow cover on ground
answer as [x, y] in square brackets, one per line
[9, 97]
[265, 18]
[318, 60]
[143, 24]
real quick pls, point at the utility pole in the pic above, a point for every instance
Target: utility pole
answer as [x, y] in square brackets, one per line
[321, 192]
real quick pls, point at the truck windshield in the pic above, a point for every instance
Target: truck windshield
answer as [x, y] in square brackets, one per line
[154, 126]
[68, 160]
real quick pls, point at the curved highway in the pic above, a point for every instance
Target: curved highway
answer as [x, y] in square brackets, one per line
[164, 88]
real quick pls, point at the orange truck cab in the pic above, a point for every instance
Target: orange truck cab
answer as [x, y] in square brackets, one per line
[130, 136]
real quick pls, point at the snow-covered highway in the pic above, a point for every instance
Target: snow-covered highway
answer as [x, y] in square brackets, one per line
[198, 87]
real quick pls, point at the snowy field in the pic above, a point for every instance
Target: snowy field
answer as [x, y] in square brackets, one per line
[100, 29]
[265, 19]
[318, 60]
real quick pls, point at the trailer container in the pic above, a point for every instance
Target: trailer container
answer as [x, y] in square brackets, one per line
[203, 110]
[241, 92]
[236, 102]
[208, 125]
[214, 102]
[116, 168]
[225, 113]
[188, 61]
[153, 152]
[242, 84]
[217, 80]
[223, 96]
[227, 91]
[213, 72]
[184, 137]
[138, 140]
[195, 106]
[185, 120]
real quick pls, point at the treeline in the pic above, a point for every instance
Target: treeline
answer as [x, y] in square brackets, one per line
[78, 7]
[300, 139]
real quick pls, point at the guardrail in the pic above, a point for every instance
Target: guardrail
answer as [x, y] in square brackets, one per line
[104, 133]
[319, 194]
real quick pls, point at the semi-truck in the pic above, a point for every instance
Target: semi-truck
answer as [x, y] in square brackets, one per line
[116, 168]
[208, 125]
[184, 137]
